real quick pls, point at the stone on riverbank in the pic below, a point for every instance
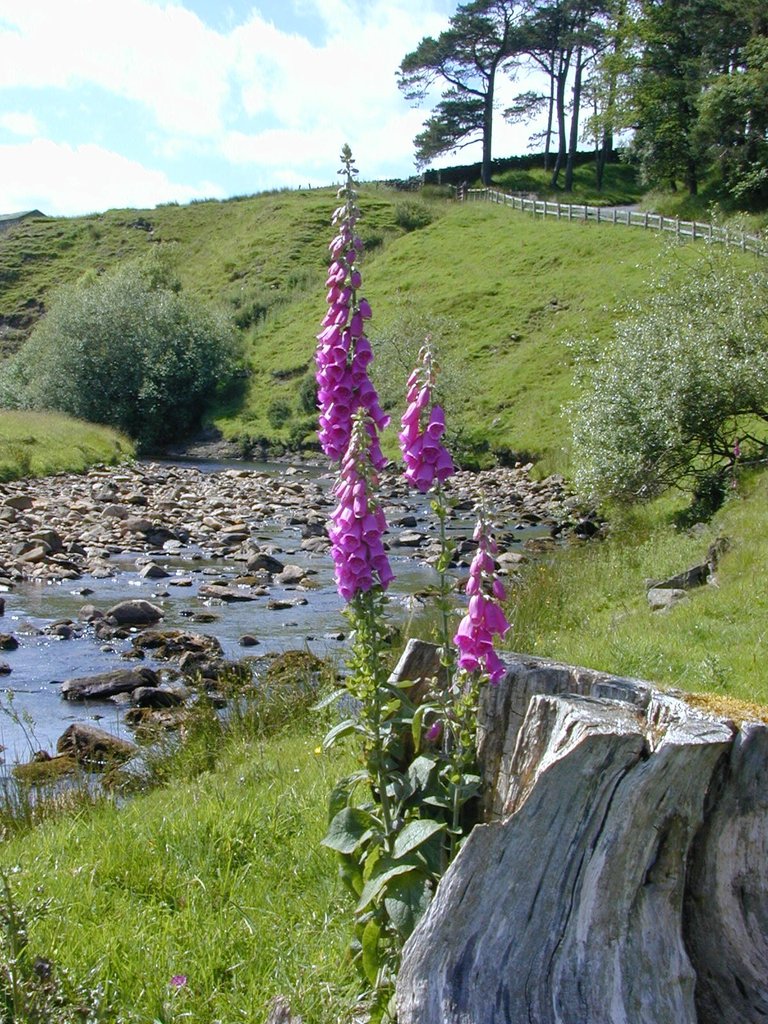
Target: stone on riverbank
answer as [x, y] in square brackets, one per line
[172, 644]
[93, 747]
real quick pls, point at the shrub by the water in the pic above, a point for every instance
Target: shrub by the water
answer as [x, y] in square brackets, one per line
[125, 349]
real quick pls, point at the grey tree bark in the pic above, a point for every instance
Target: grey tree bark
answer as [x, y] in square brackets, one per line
[620, 878]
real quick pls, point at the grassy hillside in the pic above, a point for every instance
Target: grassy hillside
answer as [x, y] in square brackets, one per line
[515, 290]
[505, 291]
[244, 254]
[36, 444]
[587, 605]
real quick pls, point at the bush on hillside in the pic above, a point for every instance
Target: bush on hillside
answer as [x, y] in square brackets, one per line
[125, 349]
[681, 394]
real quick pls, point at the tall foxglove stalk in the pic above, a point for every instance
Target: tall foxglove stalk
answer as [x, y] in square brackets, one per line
[343, 350]
[427, 465]
[423, 424]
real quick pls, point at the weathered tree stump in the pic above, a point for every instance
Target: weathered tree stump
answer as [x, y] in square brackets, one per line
[620, 878]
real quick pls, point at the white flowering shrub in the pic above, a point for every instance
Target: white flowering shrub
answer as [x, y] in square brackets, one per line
[681, 394]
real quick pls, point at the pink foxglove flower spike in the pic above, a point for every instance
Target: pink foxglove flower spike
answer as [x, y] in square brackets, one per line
[357, 523]
[485, 617]
[423, 425]
[343, 350]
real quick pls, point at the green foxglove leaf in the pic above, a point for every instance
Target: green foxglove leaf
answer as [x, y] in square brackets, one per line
[330, 698]
[406, 901]
[414, 834]
[379, 882]
[418, 718]
[342, 791]
[345, 728]
[349, 829]
[420, 770]
[370, 950]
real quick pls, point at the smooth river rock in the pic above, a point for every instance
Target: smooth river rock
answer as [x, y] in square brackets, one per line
[93, 747]
[107, 684]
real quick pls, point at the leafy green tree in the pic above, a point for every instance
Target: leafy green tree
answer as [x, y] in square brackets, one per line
[125, 349]
[561, 38]
[733, 123]
[682, 392]
[466, 57]
[683, 44]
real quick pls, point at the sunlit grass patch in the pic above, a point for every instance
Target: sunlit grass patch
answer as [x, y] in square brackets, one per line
[36, 444]
[588, 605]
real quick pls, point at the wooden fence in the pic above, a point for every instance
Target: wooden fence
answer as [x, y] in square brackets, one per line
[622, 215]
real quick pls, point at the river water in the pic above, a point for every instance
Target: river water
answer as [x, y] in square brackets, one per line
[33, 715]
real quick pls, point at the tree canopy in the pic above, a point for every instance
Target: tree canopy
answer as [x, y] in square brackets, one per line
[688, 79]
[466, 57]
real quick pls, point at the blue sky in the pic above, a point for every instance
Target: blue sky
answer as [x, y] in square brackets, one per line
[112, 103]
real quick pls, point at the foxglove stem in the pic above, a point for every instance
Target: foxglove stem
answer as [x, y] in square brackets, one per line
[366, 612]
[343, 350]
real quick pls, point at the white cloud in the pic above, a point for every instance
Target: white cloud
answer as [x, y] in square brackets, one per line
[273, 104]
[17, 123]
[325, 95]
[65, 180]
[162, 57]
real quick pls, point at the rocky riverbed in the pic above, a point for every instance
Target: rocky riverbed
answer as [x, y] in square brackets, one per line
[206, 554]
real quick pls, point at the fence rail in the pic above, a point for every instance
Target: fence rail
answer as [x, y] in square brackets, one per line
[622, 215]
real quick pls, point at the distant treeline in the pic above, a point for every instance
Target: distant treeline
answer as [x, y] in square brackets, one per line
[470, 173]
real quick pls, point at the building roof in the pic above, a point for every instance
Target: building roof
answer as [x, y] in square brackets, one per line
[21, 215]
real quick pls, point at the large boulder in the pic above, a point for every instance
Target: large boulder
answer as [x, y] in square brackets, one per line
[136, 612]
[108, 684]
[92, 747]
[620, 877]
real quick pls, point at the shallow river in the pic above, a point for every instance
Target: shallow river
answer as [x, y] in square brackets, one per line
[33, 715]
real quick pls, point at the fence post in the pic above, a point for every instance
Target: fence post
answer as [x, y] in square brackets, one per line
[598, 215]
[677, 227]
[694, 231]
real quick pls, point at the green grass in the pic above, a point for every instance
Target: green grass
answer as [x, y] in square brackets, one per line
[620, 184]
[212, 870]
[221, 879]
[515, 289]
[710, 204]
[587, 605]
[37, 444]
[246, 255]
